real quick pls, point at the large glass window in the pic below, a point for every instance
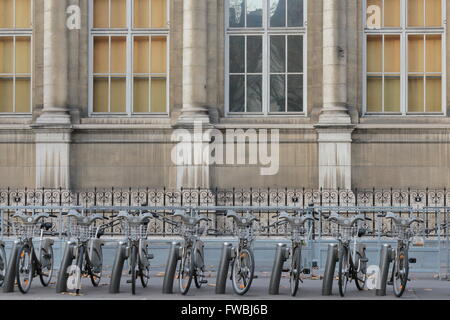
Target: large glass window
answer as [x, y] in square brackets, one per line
[129, 57]
[404, 60]
[15, 56]
[265, 56]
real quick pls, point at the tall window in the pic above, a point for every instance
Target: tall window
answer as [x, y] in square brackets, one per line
[129, 69]
[404, 57]
[266, 56]
[15, 56]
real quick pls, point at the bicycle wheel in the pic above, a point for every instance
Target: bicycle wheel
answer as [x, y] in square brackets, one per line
[400, 272]
[3, 265]
[243, 271]
[144, 270]
[95, 267]
[24, 269]
[185, 273]
[46, 259]
[133, 267]
[295, 271]
[343, 271]
[199, 274]
[361, 273]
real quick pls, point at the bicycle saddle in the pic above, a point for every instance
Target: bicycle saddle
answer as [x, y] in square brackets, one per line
[242, 221]
[84, 220]
[189, 220]
[405, 222]
[345, 221]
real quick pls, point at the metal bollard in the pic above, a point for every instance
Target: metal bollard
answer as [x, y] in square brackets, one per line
[280, 258]
[222, 271]
[171, 267]
[61, 282]
[385, 260]
[116, 274]
[10, 277]
[330, 266]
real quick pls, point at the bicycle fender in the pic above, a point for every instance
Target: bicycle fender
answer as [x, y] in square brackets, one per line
[94, 244]
[46, 243]
[143, 252]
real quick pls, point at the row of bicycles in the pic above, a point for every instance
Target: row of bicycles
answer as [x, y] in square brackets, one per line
[84, 257]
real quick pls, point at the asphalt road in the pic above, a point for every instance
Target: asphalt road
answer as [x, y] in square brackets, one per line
[422, 287]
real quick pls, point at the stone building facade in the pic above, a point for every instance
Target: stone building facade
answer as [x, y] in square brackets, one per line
[91, 91]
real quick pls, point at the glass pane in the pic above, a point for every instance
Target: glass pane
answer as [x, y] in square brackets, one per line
[23, 14]
[101, 94]
[278, 54]
[237, 93]
[101, 9]
[392, 94]
[159, 55]
[433, 9]
[141, 58]
[434, 94]
[374, 53]
[415, 53]
[277, 13]
[295, 54]
[295, 93]
[392, 53]
[141, 93]
[6, 55]
[237, 54]
[6, 94]
[415, 94]
[6, 14]
[23, 95]
[159, 14]
[434, 53]
[295, 13]
[254, 54]
[101, 55]
[254, 13]
[237, 10]
[118, 55]
[374, 94]
[118, 95]
[254, 93]
[141, 16]
[416, 13]
[159, 95]
[23, 55]
[118, 13]
[277, 93]
[392, 13]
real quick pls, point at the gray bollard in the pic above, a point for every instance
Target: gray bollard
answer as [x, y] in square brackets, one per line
[61, 282]
[385, 260]
[330, 266]
[10, 277]
[222, 271]
[280, 258]
[116, 273]
[171, 267]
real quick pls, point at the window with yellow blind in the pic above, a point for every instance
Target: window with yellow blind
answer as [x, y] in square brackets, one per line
[129, 57]
[404, 59]
[15, 56]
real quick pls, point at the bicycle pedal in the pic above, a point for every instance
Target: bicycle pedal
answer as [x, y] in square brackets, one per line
[203, 281]
[129, 281]
[364, 260]
[412, 260]
[286, 270]
[150, 256]
[306, 271]
[390, 283]
[255, 277]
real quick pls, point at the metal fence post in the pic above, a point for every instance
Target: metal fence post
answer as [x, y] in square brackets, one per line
[385, 260]
[330, 266]
[171, 267]
[222, 271]
[280, 258]
[116, 274]
[10, 277]
[61, 283]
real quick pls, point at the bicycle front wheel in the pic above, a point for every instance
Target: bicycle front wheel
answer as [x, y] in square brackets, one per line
[344, 269]
[243, 271]
[3, 265]
[185, 273]
[295, 271]
[400, 272]
[46, 259]
[361, 272]
[199, 274]
[24, 269]
[96, 266]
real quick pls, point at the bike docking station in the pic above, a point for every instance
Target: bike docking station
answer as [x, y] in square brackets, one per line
[10, 277]
[386, 257]
[224, 266]
[281, 256]
[171, 267]
[330, 267]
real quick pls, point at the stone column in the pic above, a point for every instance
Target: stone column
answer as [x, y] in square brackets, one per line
[195, 63]
[53, 126]
[334, 127]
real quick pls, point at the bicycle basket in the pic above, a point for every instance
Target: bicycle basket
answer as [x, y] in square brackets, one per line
[134, 231]
[22, 230]
[402, 232]
[245, 233]
[82, 232]
[345, 233]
